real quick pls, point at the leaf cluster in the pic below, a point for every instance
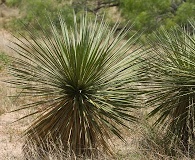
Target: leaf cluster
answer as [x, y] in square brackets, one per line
[172, 93]
[84, 75]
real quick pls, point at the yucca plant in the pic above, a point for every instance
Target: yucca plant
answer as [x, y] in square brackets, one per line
[85, 76]
[171, 90]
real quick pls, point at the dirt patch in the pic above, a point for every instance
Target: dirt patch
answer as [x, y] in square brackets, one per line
[6, 14]
[10, 133]
[10, 140]
[5, 41]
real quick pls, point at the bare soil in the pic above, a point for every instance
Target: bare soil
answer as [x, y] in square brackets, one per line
[7, 13]
[10, 133]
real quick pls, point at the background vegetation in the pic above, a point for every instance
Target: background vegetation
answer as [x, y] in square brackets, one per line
[146, 15]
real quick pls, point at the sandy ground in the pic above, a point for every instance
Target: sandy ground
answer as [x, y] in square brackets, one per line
[10, 141]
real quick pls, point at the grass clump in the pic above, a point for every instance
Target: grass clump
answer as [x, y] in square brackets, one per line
[4, 60]
[78, 74]
[171, 85]
[155, 144]
[56, 151]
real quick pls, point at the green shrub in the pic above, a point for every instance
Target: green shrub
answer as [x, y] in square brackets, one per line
[36, 14]
[86, 77]
[172, 84]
